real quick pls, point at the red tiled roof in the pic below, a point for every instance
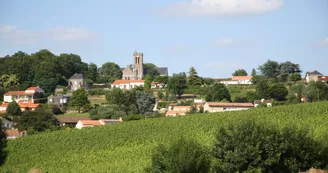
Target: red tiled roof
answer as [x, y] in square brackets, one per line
[116, 82]
[323, 78]
[14, 132]
[91, 122]
[28, 105]
[10, 93]
[23, 101]
[4, 104]
[242, 77]
[170, 112]
[33, 88]
[219, 104]
[136, 81]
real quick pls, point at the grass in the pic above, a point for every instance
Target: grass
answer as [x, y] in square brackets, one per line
[97, 99]
[127, 146]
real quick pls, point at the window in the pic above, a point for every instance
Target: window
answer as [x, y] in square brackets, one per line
[224, 108]
[50, 100]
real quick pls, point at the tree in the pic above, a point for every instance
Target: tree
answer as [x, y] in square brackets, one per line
[295, 77]
[111, 71]
[183, 156]
[253, 72]
[218, 92]
[145, 101]
[13, 109]
[249, 147]
[37, 121]
[263, 89]
[208, 81]
[194, 79]
[161, 79]
[92, 72]
[3, 143]
[79, 99]
[317, 91]
[177, 84]
[148, 80]
[8, 80]
[278, 91]
[240, 72]
[108, 112]
[287, 68]
[269, 69]
[151, 70]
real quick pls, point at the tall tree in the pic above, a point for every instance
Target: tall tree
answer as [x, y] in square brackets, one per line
[278, 91]
[79, 99]
[193, 78]
[92, 72]
[240, 72]
[13, 109]
[317, 91]
[263, 89]
[145, 101]
[269, 69]
[3, 143]
[177, 84]
[287, 68]
[253, 72]
[218, 92]
[294, 77]
[111, 71]
[150, 69]
[148, 80]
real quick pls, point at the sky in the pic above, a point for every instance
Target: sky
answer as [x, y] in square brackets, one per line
[216, 37]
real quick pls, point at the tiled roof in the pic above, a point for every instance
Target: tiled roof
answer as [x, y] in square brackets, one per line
[176, 112]
[77, 76]
[33, 88]
[71, 119]
[242, 77]
[315, 72]
[22, 105]
[14, 132]
[91, 122]
[323, 78]
[10, 93]
[117, 82]
[4, 104]
[110, 121]
[219, 104]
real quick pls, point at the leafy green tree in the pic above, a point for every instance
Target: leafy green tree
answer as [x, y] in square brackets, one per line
[177, 84]
[161, 79]
[111, 71]
[13, 109]
[148, 80]
[278, 91]
[79, 99]
[145, 101]
[297, 91]
[92, 72]
[253, 72]
[240, 72]
[9, 80]
[183, 156]
[248, 147]
[218, 92]
[193, 78]
[151, 70]
[37, 121]
[287, 68]
[160, 94]
[269, 69]
[295, 77]
[317, 91]
[3, 143]
[208, 81]
[263, 89]
[108, 112]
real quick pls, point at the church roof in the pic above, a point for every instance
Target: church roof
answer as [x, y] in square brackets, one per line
[315, 72]
[162, 70]
[77, 76]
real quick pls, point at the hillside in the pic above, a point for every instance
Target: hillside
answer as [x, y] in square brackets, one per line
[127, 147]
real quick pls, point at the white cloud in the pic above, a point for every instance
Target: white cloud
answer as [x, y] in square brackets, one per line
[70, 34]
[324, 42]
[224, 41]
[222, 7]
[14, 35]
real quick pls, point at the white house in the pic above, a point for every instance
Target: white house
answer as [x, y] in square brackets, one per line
[157, 85]
[313, 76]
[222, 107]
[267, 102]
[26, 96]
[90, 123]
[128, 84]
[238, 80]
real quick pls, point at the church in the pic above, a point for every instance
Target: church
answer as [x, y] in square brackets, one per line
[137, 71]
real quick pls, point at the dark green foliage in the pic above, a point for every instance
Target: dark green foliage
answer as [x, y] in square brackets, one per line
[132, 117]
[161, 79]
[208, 81]
[108, 112]
[263, 89]
[194, 79]
[79, 99]
[160, 94]
[295, 77]
[246, 146]
[37, 121]
[240, 72]
[145, 102]
[278, 91]
[148, 80]
[110, 72]
[150, 70]
[3, 143]
[13, 109]
[177, 84]
[269, 69]
[317, 91]
[92, 72]
[218, 92]
[287, 68]
[253, 72]
[184, 156]
[92, 92]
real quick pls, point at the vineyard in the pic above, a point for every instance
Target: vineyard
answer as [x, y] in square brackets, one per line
[127, 147]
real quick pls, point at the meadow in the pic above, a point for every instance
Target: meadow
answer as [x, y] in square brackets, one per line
[127, 146]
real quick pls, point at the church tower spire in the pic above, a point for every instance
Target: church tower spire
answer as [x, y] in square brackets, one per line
[138, 65]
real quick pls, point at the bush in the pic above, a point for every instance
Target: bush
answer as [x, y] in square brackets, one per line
[258, 148]
[183, 156]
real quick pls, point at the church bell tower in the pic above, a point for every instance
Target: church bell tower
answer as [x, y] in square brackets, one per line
[138, 65]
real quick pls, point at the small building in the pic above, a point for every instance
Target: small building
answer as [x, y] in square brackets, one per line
[173, 113]
[238, 80]
[15, 133]
[77, 81]
[127, 84]
[313, 76]
[181, 108]
[6, 124]
[23, 106]
[268, 103]
[324, 79]
[222, 107]
[90, 123]
[157, 85]
[27, 96]
[70, 120]
[59, 100]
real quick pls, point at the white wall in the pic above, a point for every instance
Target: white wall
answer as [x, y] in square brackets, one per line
[7, 99]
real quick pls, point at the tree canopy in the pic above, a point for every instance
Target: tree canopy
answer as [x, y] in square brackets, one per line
[79, 99]
[218, 92]
[240, 72]
[110, 71]
[13, 109]
[177, 84]
[193, 78]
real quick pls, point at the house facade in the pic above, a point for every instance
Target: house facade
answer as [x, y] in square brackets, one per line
[59, 100]
[6, 124]
[238, 80]
[222, 107]
[14, 133]
[136, 71]
[27, 96]
[127, 84]
[313, 76]
[77, 81]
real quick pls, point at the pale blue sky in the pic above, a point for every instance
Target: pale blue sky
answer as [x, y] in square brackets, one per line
[215, 36]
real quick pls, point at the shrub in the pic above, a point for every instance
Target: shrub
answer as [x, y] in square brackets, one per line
[183, 156]
[257, 148]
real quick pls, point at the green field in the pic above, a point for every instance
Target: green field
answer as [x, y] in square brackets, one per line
[127, 147]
